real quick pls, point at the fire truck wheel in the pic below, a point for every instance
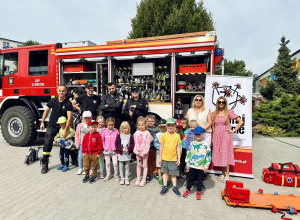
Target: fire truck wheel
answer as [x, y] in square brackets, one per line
[18, 126]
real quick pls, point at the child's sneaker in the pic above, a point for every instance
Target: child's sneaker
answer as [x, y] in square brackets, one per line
[169, 183]
[85, 179]
[156, 177]
[107, 178]
[148, 179]
[176, 191]
[60, 167]
[65, 169]
[183, 176]
[142, 183]
[160, 182]
[122, 181]
[101, 175]
[79, 172]
[92, 179]
[117, 177]
[164, 190]
[198, 195]
[127, 182]
[137, 182]
[186, 193]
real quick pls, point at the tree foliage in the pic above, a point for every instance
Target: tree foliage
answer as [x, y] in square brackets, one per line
[30, 43]
[286, 74]
[166, 17]
[282, 112]
[236, 68]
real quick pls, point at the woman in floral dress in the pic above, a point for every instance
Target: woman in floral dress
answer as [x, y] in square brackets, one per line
[222, 154]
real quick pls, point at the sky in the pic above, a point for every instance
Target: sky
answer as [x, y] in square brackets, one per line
[248, 30]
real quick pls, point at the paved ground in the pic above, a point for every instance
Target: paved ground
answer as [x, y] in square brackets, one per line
[26, 194]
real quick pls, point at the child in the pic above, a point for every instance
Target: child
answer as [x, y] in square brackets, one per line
[109, 136]
[163, 127]
[198, 159]
[142, 140]
[124, 146]
[64, 153]
[152, 152]
[169, 156]
[190, 135]
[100, 129]
[81, 130]
[179, 128]
[185, 129]
[91, 149]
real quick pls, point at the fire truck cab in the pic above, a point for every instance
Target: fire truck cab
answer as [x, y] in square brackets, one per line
[28, 79]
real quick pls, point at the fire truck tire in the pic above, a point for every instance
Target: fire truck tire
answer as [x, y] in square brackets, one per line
[18, 126]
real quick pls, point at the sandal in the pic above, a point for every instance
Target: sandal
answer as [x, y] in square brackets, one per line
[225, 179]
[221, 178]
[137, 182]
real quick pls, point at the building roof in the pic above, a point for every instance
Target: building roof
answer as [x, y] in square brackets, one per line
[11, 40]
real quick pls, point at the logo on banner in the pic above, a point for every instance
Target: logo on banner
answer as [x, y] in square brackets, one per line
[231, 93]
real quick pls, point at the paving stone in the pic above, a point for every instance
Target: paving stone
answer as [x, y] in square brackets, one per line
[27, 194]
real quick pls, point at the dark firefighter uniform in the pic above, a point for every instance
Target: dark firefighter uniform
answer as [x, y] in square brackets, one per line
[140, 110]
[58, 109]
[111, 106]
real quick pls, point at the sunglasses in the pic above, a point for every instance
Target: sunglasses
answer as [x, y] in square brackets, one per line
[220, 102]
[135, 91]
[198, 100]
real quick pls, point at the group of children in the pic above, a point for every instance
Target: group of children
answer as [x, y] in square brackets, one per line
[167, 151]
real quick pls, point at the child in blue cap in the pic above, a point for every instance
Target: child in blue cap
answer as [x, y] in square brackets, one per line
[198, 159]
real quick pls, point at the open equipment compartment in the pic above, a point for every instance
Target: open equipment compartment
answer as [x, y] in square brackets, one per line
[191, 70]
[151, 74]
[77, 73]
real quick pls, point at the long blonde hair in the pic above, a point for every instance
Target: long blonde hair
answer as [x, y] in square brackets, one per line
[203, 102]
[225, 109]
[123, 125]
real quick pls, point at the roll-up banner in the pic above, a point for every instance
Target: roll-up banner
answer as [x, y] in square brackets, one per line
[238, 92]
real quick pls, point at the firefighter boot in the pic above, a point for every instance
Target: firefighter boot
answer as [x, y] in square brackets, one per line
[44, 162]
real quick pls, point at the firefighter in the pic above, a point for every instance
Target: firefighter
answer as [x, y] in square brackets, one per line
[111, 104]
[135, 108]
[60, 106]
[88, 101]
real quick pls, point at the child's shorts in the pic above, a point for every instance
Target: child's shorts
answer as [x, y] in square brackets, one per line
[157, 161]
[171, 167]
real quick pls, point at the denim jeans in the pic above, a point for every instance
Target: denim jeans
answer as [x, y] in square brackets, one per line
[80, 157]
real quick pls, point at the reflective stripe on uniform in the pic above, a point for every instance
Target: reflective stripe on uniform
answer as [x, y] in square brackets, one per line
[46, 153]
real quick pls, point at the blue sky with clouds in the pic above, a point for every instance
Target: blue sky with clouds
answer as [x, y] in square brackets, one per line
[249, 30]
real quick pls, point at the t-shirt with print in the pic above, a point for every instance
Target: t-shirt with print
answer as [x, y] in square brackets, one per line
[83, 130]
[170, 145]
[89, 103]
[58, 109]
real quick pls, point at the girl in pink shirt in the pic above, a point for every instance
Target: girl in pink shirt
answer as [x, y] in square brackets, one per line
[142, 140]
[109, 136]
[100, 129]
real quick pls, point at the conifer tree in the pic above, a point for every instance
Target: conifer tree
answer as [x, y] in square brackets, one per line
[286, 74]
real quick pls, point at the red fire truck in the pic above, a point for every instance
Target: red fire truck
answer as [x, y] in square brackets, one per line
[168, 70]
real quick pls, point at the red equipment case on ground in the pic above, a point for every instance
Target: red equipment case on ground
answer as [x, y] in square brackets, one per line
[282, 174]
